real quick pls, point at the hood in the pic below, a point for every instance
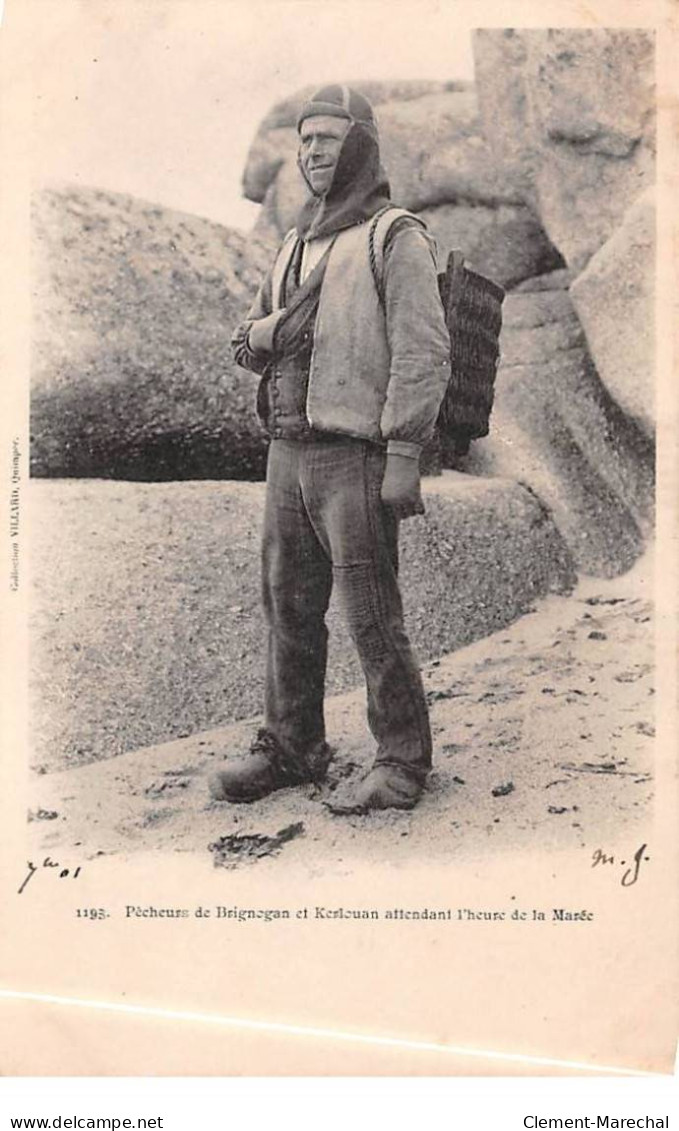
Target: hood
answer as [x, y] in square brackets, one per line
[358, 190]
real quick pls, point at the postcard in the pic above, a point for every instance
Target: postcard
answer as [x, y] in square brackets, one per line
[339, 455]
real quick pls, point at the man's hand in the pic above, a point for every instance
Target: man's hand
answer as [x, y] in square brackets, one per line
[261, 332]
[401, 486]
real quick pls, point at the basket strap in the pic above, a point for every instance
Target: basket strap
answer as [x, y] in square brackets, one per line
[380, 226]
[280, 267]
[454, 282]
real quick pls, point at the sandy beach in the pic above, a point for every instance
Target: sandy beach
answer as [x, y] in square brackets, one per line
[543, 734]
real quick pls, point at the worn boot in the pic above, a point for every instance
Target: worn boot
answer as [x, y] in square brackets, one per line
[266, 768]
[387, 786]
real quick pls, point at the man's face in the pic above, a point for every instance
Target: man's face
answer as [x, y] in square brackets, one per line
[321, 140]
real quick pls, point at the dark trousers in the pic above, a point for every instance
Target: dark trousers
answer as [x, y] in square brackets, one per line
[325, 523]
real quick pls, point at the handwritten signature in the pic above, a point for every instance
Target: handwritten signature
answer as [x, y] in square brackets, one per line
[49, 864]
[631, 875]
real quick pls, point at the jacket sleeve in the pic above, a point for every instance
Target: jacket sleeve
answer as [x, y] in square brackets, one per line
[243, 355]
[418, 338]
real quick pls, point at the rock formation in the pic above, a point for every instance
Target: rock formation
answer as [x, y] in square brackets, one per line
[541, 172]
[148, 620]
[570, 116]
[614, 298]
[546, 163]
[557, 430]
[132, 371]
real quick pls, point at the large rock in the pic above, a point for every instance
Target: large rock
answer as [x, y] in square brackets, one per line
[556, 429]
[433, 151]
[615, 299]
[500, 65]
[134, 308]
[569, 114]
[487, 548]
[502, 242]
[269, 150]
[147, 621]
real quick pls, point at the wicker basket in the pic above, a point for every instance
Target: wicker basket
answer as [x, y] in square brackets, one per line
[473, 309]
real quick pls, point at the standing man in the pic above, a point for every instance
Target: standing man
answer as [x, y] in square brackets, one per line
[349, 337]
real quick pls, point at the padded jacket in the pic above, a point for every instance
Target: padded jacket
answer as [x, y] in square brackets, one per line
[380, 364]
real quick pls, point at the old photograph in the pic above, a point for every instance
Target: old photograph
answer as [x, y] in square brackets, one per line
[338, 515]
